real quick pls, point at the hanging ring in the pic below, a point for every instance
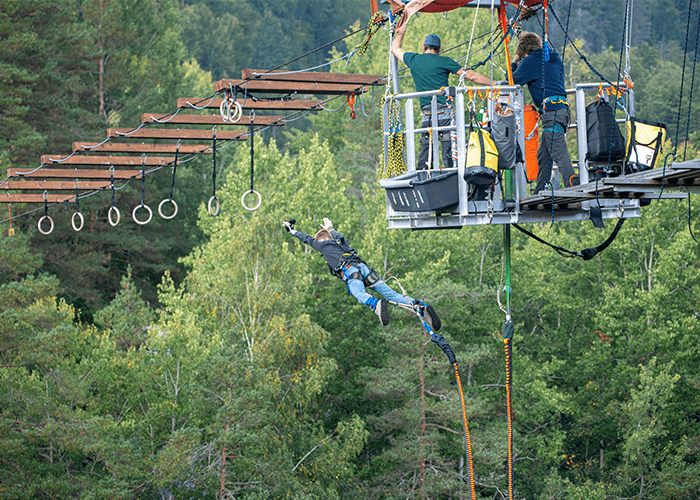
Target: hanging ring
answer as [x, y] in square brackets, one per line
[213, 206]
[160, 209]
[82, 221]
[148, 209]
[45, 217]
[225, 109]
[237, 112]
[246, 206]
[112, 210]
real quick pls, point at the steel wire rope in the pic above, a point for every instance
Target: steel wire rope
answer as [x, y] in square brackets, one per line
[687, 127]
[348, 55]
[380, 21]
[469, 48]
[680, 102]
[581, 56]
[194, 106]
[623, 45]
[692, 85]
[73, 153]
[125, 134]
[83, 195]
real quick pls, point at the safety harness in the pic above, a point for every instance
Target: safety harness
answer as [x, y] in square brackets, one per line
[349, 259]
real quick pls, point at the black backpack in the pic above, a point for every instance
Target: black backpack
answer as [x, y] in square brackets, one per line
[605, 141]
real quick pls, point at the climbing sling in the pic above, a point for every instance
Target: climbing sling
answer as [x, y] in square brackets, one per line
[393, 163]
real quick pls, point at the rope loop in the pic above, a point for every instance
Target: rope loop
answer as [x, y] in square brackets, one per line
[140, 222]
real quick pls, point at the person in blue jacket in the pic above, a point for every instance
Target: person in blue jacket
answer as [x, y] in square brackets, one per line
[550, 100]
[344, 263]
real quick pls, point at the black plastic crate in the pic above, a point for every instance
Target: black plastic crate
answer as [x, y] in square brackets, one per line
[422, 190]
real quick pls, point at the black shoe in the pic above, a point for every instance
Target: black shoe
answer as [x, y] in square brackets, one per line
[428, 314]
[431, 317]
[382, 312]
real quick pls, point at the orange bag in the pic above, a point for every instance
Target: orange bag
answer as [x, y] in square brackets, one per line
[532, 141]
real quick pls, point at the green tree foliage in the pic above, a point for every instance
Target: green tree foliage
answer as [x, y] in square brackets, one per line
[226, 36]
[258, 376]
[70, 70]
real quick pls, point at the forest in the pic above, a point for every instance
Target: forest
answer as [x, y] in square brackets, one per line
[217, 358]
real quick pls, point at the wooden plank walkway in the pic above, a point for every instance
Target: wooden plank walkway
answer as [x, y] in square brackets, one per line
[640, 185]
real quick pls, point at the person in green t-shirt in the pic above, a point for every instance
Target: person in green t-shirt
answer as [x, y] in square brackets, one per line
[430, 71]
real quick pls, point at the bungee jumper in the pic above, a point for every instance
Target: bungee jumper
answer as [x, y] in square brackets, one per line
[346, 264]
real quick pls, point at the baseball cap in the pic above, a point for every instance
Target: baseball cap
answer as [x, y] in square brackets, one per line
[433, 40]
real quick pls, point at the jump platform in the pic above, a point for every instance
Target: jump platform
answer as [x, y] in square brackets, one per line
[443, 199]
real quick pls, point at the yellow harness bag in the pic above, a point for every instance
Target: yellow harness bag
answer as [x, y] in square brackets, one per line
[482, 158]
[644, 143]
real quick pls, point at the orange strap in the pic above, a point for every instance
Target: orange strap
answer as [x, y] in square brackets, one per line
[11, 232]
[350, 99]
[504, 27]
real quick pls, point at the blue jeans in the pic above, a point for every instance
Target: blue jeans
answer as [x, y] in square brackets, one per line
[357, 287]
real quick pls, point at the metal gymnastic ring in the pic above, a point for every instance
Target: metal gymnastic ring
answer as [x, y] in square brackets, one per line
[72, 221]
[113, 223]
[42, 220]
[246, 206]
[150, 214]
[160, 207]
[213, 211]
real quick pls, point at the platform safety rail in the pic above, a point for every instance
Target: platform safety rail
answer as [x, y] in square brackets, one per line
[510, 202]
